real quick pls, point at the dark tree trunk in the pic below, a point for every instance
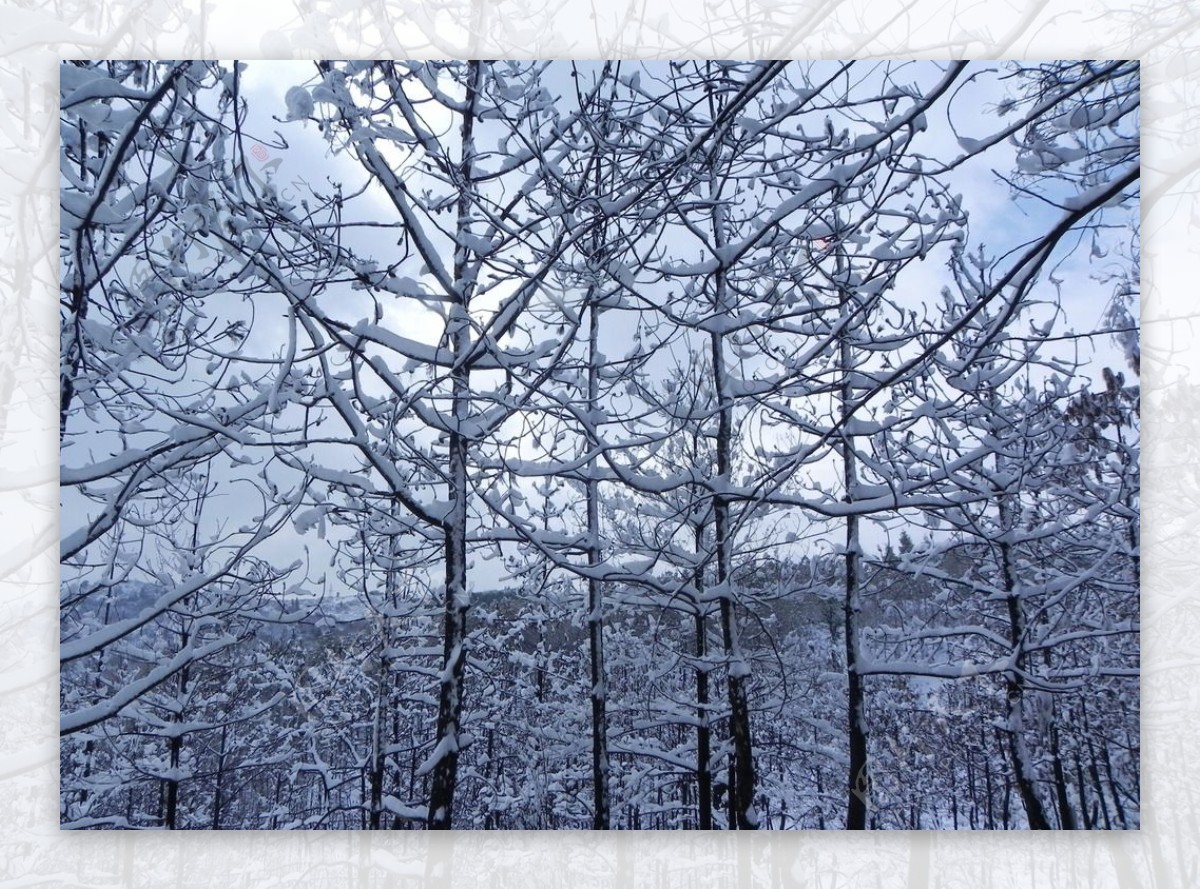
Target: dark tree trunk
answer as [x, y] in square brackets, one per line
[987, 777]
[1087, 814]
[1066, 816]
[704, 783]
[859, 778]
[376, 766]
[219, 779]
[1015, 691]
[742, 779]
[741, 769]
[172, 789]
[171, 815]
[859, 774]
[454, 653]
[1094, 769]
[599, 695]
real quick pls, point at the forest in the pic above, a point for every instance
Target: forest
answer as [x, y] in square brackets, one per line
[599, 445]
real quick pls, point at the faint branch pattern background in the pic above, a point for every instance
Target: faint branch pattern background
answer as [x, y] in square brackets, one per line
[35, 36]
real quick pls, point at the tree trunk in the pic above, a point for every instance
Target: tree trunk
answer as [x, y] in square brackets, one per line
[219, 779]
[1015, 690]
[1088, 815]
[704, 783]
[1095, 773]
[860, 780]
[1066, 816]
[1023, 772]
[742, 779]
[171, 816]
[376, 765]
[457, 599]
[859, 776]
[600, 817]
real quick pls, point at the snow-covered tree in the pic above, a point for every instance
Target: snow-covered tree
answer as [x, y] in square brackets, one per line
[536, 459]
